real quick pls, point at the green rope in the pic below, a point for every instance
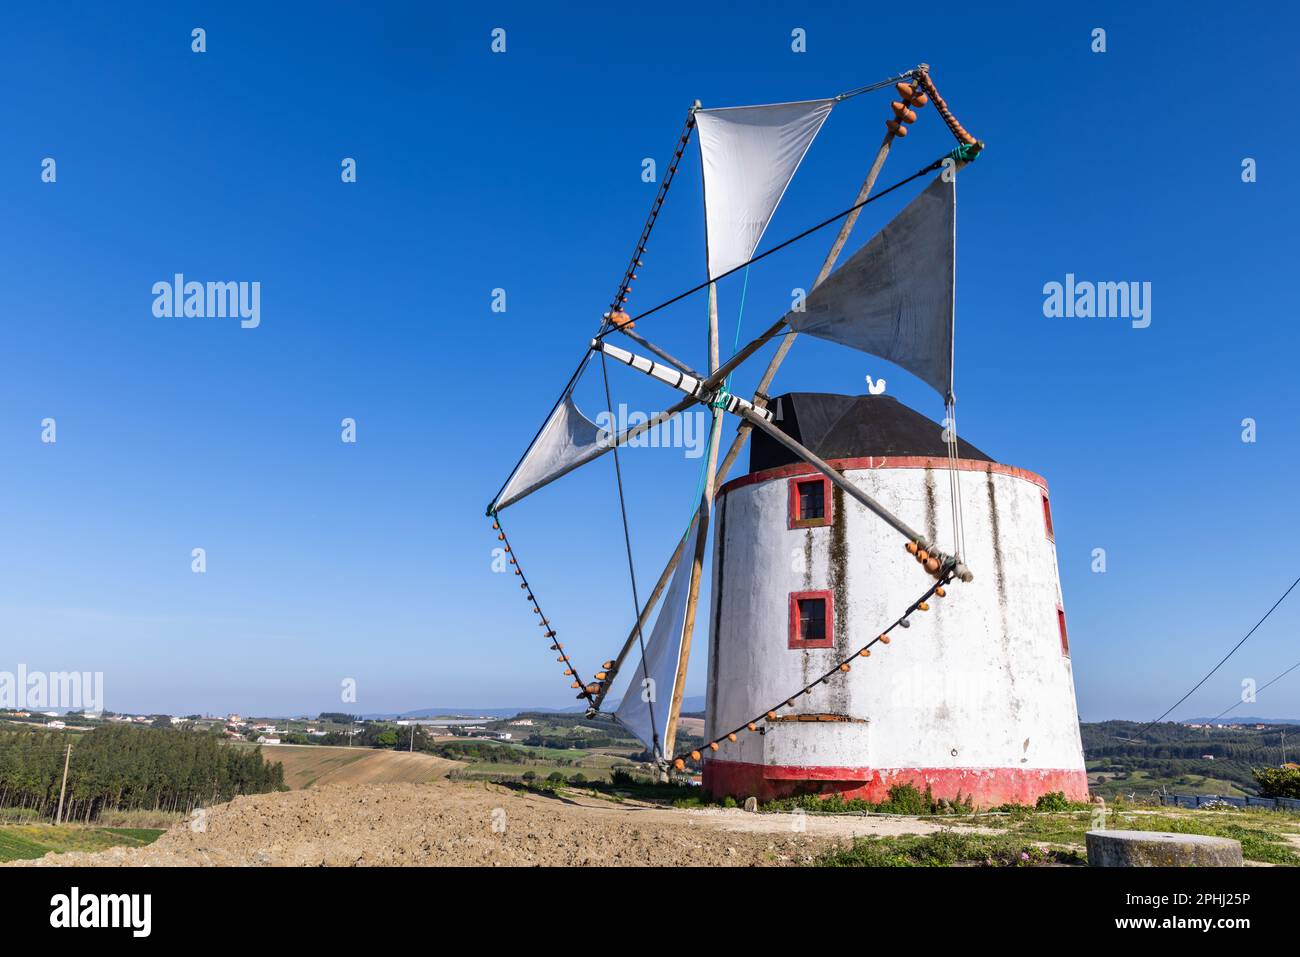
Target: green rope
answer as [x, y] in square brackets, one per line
[740, 316]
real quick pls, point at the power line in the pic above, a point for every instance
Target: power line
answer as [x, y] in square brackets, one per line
[1220, 664]
[1258, 690]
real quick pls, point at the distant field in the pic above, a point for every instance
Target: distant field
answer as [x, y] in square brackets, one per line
[594, 765]
[1143, 784]
[310, 765]
[28, 841]
[693, 726]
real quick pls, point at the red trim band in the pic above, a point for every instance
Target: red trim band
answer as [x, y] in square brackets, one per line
[986, 787]
[884, 462]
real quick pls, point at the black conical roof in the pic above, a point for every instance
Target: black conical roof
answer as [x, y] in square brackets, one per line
[850, 426]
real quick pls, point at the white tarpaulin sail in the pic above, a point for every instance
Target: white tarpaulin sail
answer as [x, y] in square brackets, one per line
[894, 296]
[567, 440]
[647, 720]
[749, 154]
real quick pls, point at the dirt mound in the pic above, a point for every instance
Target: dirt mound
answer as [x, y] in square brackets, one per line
[468, 823]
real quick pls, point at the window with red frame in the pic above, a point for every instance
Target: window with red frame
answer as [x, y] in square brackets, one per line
[810, 502]
[1047, 518]
[1065, 638]
[812, 619]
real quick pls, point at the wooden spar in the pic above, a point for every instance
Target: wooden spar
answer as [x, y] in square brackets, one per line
[701, 540]
[760, 398]
[655, 595]
[647, 344]
[750, 412]
[851, 489]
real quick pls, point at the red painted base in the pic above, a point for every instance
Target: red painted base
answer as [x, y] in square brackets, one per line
[986, 787]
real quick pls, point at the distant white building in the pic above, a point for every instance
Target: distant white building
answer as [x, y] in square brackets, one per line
[263, 739]
[176, 720]
[522, 723]
[56, 724]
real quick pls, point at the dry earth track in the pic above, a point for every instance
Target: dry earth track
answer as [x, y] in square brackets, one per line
[475, 823]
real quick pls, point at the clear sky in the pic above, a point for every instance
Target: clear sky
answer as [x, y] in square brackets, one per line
[522, 171]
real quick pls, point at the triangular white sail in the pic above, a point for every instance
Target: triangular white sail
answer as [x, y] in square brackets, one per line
[567, 440]
[749, 154]
[894, 296]
[645, 705]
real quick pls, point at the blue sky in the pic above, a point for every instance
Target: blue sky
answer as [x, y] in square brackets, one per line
[522, 171]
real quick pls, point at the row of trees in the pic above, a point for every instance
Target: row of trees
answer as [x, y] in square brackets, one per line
[122, 768]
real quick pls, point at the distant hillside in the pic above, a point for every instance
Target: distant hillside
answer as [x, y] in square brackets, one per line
[691, 703]
[1179, 759]
[456, 712]
[1241, 719]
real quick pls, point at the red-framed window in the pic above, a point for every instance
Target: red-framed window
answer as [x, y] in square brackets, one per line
[810, 502]
[1065, 637]
[812, 619]
[1047, 518]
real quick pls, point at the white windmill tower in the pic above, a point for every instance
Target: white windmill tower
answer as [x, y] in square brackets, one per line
[978, 704]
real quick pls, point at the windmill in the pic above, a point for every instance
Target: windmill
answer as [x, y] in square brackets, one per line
[892, 298]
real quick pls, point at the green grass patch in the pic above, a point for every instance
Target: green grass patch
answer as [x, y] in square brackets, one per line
[903, 799]
[29, 841]
[948, 849]
[1262, 833]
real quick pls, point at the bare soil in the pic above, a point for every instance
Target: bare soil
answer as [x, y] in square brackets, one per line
[481, 824]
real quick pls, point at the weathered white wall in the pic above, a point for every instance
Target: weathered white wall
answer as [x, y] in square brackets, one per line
[978, 682]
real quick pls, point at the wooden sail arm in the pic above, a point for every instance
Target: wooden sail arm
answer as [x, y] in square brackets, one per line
[702, 390]
[761, 418]
[671, 360]
[616, 663]
[851, 489]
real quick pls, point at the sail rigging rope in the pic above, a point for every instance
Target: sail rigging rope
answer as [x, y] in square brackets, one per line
[841, 667]
[623, 290]
[657, 746]
[543, 621]
[959, 153]
[879, 85]
[661, 196]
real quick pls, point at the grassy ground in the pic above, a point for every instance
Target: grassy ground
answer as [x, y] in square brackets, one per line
[949, 849]
[1036, 838]
[1271, 837]
[26, 841]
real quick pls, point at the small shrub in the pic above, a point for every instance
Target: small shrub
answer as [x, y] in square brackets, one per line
[1278, 782]
[906, 799]
[621, 777]
[1052, 801]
